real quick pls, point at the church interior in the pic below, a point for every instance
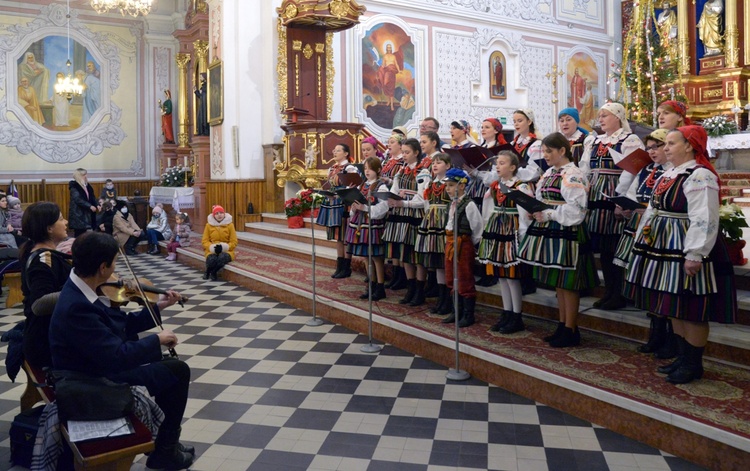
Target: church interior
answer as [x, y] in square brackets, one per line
[189, 104]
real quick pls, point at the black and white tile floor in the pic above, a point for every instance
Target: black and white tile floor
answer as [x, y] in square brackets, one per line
[270, 393]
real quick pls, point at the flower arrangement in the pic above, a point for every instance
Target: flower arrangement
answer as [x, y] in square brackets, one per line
[293, 207]
[720, 125]
[175, 176]
[731, 221]
[309, 199]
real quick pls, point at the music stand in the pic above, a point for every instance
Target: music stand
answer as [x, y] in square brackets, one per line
[315, 321]
[370, 347]
[456, 374]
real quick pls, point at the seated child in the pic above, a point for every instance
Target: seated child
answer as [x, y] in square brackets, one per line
[180, 236]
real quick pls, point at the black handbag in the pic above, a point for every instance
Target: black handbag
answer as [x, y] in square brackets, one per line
[83, 397]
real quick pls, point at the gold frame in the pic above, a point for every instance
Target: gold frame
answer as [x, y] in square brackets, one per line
[215, 94]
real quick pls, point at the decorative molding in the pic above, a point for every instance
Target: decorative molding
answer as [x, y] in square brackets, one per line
[537, 11]
[97, 134]
[217, 159]
[136, 166]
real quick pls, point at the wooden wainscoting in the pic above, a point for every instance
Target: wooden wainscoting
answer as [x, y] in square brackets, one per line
[234, 195]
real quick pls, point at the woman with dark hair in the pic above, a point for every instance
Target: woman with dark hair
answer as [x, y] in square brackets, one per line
[680, 267]
[334, 215]
[125, 229]
[429, 142]
[44, 271]
[556, 242]
[568, 121]
[527, 146]
[82, 209]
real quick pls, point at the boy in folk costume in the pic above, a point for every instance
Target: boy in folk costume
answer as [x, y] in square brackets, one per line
[462, 233]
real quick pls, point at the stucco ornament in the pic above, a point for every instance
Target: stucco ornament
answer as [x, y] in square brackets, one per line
[103, 130]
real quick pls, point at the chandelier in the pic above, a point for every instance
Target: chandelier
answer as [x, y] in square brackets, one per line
[131, 7]
[68, 86]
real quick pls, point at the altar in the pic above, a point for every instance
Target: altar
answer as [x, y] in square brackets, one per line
[731, 151]
[180, 198]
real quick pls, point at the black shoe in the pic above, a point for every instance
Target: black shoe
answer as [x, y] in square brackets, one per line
[567, 338]
[452, 315]
[504, 318]
[671, 367]
[130, 250]
[339, 264]
[154, 249]
[514, 324]
[467, 318]
[614, 303]
[346, 269]
[167, 453]
[379, 292]
[691, 367]
[431, 288]
[410, 290]
[366, 294]
[214, 276]
[657, 335]
[671, 346]
[206, 275]
[600, 302]
[418, 298]
[394, 277]
[400, 282]
[556, 334]
[442, 293]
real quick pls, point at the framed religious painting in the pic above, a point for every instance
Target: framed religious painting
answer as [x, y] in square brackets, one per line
[497, 76]
[215, 93]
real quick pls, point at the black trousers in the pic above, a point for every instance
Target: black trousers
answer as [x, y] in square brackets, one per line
[215, 262]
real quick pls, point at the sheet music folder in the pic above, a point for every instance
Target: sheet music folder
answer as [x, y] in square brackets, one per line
[387, 195]
[529, 203]
[475, 156]
[625, 203]
[633, 162]
[350, 195]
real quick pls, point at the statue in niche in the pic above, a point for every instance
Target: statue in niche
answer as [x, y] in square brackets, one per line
[709, 28]
[201, 110]
[166, 118]
[666, 25]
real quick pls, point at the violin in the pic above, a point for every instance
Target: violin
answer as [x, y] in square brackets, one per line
[121, 292]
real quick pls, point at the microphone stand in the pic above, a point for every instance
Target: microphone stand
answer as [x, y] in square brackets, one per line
[369, 348]
[456, 374]
[315, 321]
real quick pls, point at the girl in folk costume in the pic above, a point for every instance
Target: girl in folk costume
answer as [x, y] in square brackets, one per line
[430, 244]
[360, 221]
[370, 148]
[605, 178]
[505, 224]
[556, 242]
[462, 232]
[333, 214]
[430, 143]
[391, 165]
[527, 146]
[567, 121]
[672, 115]
[401, 227]
[640, 190]
[680, 267]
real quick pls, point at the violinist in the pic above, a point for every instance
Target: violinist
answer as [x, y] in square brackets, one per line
[90, 336]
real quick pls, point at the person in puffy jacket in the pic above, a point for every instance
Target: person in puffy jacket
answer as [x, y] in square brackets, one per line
[157, 229]
[219, 241]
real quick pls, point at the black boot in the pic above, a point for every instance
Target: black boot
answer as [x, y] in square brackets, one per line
[167, 454]
[447, 306]
[616, 299]
[442, 294]
[400, 282]
[346, 269]
[567, 338]
[153, 249]
[410, 290]
[670, 347]
[504, 318]
[514, 324]
[556, 334]
[130, 249]
[452, 314]
[657, 334]
[680, 347]
[379, 292]
[432, 288]
[467, 318]
[419, 295]
[394, 277]
[214, 275]
[691, 367]
[339, 264]
[366, 294]
[206, 275]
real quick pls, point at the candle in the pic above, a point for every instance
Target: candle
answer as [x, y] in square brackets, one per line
[185, 165]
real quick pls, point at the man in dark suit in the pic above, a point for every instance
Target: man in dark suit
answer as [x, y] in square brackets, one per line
[89, 336]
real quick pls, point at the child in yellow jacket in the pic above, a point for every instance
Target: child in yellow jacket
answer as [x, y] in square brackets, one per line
[219, 241]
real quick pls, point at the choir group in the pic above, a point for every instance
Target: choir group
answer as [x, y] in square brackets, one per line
[655, 230]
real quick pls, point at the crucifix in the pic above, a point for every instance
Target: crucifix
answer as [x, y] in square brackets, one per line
[553, 75]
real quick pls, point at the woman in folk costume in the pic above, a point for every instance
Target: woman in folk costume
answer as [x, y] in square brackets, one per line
[505, 225]
[370, 148]
[640, 190]
[429, 142]
[401, 226]
[605, 178]
[680, 267]
[392, 163]
[333, 214]
[362, 219]
[672, 115]
[556, 242]
[430, 244]
[527, 146]
[567, 121]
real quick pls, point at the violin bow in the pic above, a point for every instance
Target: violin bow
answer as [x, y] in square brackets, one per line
[154, 317]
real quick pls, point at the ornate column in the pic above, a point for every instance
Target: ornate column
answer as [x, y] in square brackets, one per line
[683, 36]
[182, 100]
[731, 35]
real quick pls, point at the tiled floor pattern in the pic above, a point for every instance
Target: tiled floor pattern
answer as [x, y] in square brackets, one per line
[271, 393]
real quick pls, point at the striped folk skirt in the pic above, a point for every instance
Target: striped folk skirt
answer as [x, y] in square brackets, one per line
[656, 279]
[499, 245]
[430, 241]
[624, 251]
[604, 229]
[400, 233]
[333, 216]
[357, 235]
[561, 256]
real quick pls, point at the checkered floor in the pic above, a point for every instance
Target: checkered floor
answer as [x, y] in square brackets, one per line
[271, 393]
